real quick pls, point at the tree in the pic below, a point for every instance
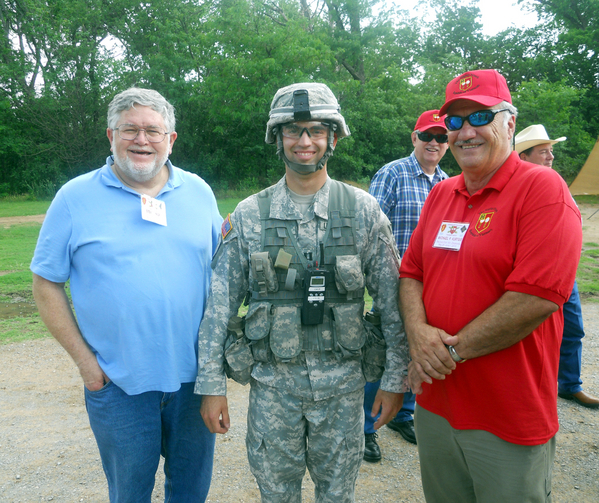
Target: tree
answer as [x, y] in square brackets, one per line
[220, 62]
[575, 45]
[454, 39]
[53, 73]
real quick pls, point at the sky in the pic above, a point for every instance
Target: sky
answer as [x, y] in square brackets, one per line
[497, 15]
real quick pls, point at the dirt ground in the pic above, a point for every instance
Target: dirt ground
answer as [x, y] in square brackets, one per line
[47, 450]
[8, 221]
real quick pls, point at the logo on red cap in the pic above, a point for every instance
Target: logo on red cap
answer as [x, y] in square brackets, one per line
[436, 118]
[485, 87]
[466, 83]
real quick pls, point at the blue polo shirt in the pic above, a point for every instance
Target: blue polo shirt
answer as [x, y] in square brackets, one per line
[139, 288]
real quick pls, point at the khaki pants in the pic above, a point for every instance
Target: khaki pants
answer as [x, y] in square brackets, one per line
[475, 466]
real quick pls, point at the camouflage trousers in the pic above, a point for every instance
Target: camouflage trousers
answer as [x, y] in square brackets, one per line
[286, 433]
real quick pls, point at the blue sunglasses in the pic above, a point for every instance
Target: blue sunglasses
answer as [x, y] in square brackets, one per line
[476, 119]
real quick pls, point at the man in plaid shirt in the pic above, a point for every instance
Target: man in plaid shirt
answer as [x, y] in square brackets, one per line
[401, 188]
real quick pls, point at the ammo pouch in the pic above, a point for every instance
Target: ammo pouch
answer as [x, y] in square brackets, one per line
[263, 272]
[239, 361]
[347, 329]
[349, 277]
[375, 349]
[274, 331]
[257, 327]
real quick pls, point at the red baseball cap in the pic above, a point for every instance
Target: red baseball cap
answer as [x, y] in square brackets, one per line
[430, 119]
[487, 87]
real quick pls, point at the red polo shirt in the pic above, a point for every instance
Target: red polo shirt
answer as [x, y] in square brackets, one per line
[524, 235]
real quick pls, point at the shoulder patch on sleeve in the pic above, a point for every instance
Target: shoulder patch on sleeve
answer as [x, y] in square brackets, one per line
[226, 227]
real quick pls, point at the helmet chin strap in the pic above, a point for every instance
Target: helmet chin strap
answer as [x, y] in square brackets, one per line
[303, 169]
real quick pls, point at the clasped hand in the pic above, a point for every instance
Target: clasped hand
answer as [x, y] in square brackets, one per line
[430, 358]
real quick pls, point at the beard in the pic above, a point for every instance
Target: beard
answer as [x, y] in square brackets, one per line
[139, 172]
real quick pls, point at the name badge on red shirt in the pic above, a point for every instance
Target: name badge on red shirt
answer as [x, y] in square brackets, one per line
[451, 235]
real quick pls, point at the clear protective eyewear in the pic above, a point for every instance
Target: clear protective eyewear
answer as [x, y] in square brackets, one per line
[476, 119]
[129, 132]
[295, 132]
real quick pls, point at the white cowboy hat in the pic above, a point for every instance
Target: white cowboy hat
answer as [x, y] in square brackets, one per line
[532, 136]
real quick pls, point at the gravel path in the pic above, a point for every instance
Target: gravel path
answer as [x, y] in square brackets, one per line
[47, 451]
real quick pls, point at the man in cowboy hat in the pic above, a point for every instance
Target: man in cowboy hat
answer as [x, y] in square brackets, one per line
[489, 266]
[533, 145]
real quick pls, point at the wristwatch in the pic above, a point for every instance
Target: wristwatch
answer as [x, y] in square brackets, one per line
[454, 355]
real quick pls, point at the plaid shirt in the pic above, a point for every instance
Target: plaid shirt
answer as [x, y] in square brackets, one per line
[401, 187]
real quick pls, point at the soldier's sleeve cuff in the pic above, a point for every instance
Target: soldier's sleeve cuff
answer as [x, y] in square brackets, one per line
[215, 388]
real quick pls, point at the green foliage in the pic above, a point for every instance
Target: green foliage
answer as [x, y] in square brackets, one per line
[567, 42]
[455, 39]
[44, 191]
[220, 62]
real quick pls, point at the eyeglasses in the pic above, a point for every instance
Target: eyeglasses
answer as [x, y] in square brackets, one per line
[476, 119]
[154, 134]
[426, 137]
[295, 132]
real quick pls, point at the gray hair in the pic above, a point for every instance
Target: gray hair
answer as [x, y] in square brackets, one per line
[511, 108]
[145, 98]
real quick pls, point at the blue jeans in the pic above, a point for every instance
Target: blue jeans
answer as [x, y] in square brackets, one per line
[133, 431]
[570, 354]
[406, 412]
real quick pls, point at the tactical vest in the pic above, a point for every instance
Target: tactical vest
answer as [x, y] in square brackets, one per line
[273, 322]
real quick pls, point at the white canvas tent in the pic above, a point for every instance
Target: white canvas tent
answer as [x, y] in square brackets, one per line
[587, 181]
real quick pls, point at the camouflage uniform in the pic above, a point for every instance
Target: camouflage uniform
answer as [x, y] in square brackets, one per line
[316, 394]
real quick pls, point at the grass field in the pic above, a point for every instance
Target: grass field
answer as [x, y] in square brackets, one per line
[20, 206]
[17, 243]
[588, 271]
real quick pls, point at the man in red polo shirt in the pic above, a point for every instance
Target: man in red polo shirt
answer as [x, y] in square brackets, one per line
[483, 282]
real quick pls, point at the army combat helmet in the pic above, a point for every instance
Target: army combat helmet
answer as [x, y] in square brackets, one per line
[305, 102]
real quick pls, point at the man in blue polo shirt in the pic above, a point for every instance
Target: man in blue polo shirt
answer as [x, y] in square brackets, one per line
[135, 238]
[401, 187]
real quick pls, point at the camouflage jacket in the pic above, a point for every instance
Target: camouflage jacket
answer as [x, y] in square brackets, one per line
[311, 374]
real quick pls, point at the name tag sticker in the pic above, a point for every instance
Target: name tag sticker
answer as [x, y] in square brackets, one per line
[153, 210]
[451, 235]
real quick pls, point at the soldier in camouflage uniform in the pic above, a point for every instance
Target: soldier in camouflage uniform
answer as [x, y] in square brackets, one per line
[301, 252]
